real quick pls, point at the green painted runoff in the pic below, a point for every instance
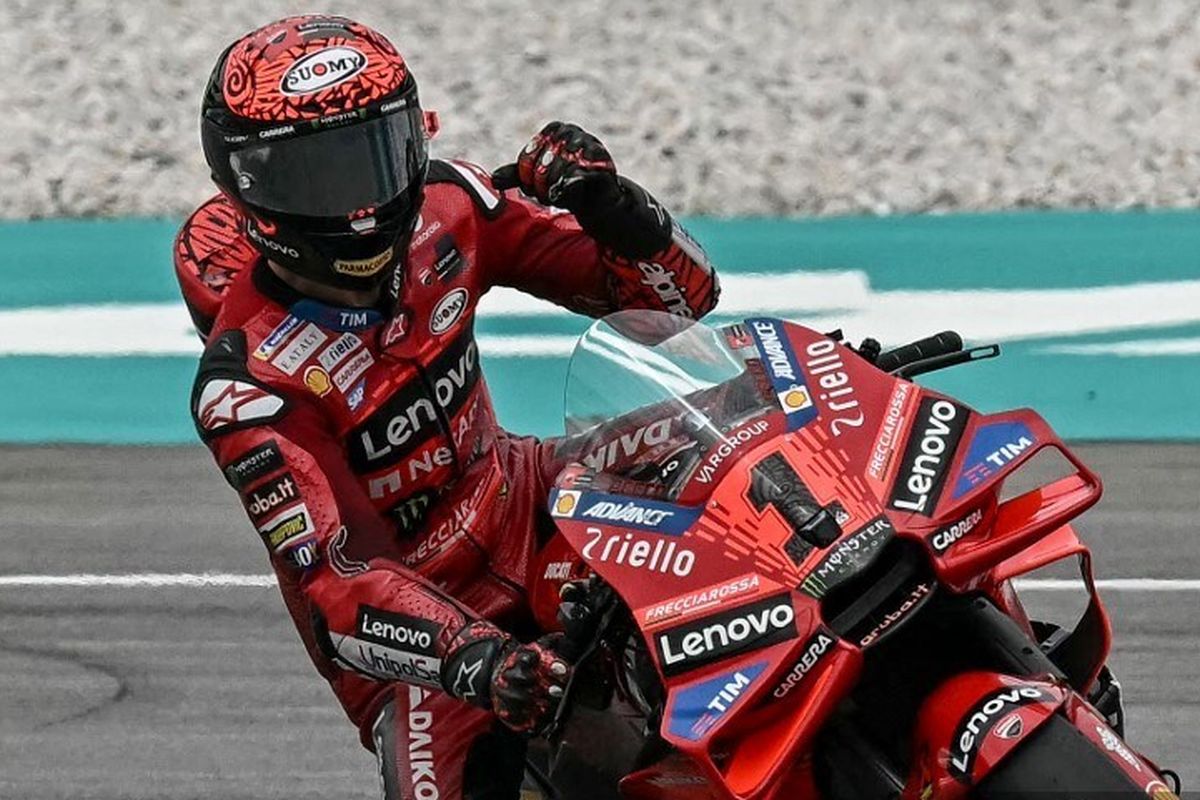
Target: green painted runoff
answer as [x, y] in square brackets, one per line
[73, 398]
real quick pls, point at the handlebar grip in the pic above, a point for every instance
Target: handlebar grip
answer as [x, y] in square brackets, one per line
[936, 345]
[578, 628]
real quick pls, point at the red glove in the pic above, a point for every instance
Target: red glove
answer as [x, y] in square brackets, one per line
[567, 167]
[521, 684]
[562, 166]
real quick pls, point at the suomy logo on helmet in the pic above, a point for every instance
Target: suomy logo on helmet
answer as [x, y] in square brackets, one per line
[322, 69]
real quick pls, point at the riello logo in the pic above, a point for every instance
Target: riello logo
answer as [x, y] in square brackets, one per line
[321, 70]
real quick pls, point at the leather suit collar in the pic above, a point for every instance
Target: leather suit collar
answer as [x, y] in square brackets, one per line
[338, 318]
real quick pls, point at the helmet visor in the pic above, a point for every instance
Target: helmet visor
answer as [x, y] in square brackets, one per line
[334, 172]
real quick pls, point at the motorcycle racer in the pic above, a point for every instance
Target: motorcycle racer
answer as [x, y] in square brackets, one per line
[335, 279]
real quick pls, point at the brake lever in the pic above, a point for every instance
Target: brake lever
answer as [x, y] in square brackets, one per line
[588, 621]
[947, 360]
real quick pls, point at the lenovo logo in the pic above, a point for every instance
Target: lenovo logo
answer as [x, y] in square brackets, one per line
[964, 747]
[397, 631]
[749, 627]
[411, 414]
[931, 444]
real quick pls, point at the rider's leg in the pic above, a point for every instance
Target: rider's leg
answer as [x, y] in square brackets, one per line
[430, 746]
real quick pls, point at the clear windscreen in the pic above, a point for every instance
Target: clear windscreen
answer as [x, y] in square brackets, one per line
[635, 369]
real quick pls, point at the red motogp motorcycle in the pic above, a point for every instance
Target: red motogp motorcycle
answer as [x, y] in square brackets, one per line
[785, 570]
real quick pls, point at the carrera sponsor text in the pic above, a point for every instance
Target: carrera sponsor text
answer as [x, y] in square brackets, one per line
[943, 540]
[353, 369]
[814, 650]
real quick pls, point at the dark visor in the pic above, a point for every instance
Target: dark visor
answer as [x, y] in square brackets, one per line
[334, 172]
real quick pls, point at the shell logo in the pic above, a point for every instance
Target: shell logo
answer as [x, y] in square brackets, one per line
[566, 503]
[796, 398]
[317, 380]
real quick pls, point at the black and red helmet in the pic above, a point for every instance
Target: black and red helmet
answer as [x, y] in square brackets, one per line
[312, 126]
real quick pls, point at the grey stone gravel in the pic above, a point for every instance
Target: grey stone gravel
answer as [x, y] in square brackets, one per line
[750, 107]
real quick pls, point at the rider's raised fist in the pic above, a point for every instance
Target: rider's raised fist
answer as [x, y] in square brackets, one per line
[564, 166]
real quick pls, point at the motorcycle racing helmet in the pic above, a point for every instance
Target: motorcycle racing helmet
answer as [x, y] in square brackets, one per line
[312, 126]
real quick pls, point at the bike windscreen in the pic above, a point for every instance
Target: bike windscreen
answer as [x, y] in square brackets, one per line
[635, 368]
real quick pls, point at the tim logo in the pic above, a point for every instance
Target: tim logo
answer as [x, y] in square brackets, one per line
[700, 707]
[321, 70]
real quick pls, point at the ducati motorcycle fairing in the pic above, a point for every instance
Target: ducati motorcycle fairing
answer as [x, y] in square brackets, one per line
[740, 488]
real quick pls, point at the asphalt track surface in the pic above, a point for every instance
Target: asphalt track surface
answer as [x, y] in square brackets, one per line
[206, 692]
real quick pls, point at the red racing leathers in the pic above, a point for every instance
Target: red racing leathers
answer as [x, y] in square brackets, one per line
[364, 445]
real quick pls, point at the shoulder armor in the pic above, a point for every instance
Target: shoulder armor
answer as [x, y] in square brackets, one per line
[473, 180]
[210, 250]
[225, 397]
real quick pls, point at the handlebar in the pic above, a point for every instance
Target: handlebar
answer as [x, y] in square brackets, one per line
[579, 631]
[939, 344]
[585, 614]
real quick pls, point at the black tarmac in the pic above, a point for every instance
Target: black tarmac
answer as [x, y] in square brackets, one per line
[154, 692]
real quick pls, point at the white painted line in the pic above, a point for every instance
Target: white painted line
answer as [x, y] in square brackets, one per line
[1111, 584]
[525, 345]
[229, 580]
[1131, 349]
[218, 580]
[822, 300]
[742, 294]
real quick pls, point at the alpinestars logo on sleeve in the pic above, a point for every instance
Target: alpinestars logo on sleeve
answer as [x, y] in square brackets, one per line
[224, 402]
